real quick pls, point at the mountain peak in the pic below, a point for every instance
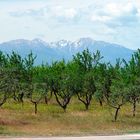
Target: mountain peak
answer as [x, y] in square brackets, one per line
[86, 39]
[84, 42]
[39, 42]
[60, 44]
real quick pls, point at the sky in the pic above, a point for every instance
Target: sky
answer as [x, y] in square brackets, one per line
[115, 21]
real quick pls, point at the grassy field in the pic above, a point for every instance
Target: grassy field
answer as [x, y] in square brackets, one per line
[16, 120]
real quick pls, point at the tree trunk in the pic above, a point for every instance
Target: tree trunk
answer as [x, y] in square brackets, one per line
[64, 108]
[46, 100]
[87, 106]
[134, 108]
[22, 104]
[3, 101]
[35, 107]
[101, 103]
[116, 113]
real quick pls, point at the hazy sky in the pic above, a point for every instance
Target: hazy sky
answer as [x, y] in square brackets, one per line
[116, 21]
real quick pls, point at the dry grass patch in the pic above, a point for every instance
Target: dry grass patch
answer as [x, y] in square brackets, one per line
[52, 121]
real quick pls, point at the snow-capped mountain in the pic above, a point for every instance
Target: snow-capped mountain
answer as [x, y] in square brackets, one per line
[51, 51]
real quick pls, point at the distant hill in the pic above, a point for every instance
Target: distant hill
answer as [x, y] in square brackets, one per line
[51, 51]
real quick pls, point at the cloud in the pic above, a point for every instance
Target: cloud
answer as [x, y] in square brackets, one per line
[99, 18]
[115, 21]
[28, 12]
[111, 14]
[115, 14]
[57, 12]
[60, 11]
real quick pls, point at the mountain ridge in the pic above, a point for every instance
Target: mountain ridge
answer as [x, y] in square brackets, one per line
[52, 51]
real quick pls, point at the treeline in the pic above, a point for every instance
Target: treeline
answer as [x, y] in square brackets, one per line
[86, 76]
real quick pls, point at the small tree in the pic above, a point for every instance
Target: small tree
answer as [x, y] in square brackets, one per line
[58, 83]
[87, 64]
[134, 95]
[132, 72]
[88, 89]
[15, 69]
[3, 75]
[103, 82]
[37, 95]
[40, 76]
[117, 95]
[3, 94]
[32, 87]
[8, 81]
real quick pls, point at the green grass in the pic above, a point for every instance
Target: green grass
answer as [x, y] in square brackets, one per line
[16, 120]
